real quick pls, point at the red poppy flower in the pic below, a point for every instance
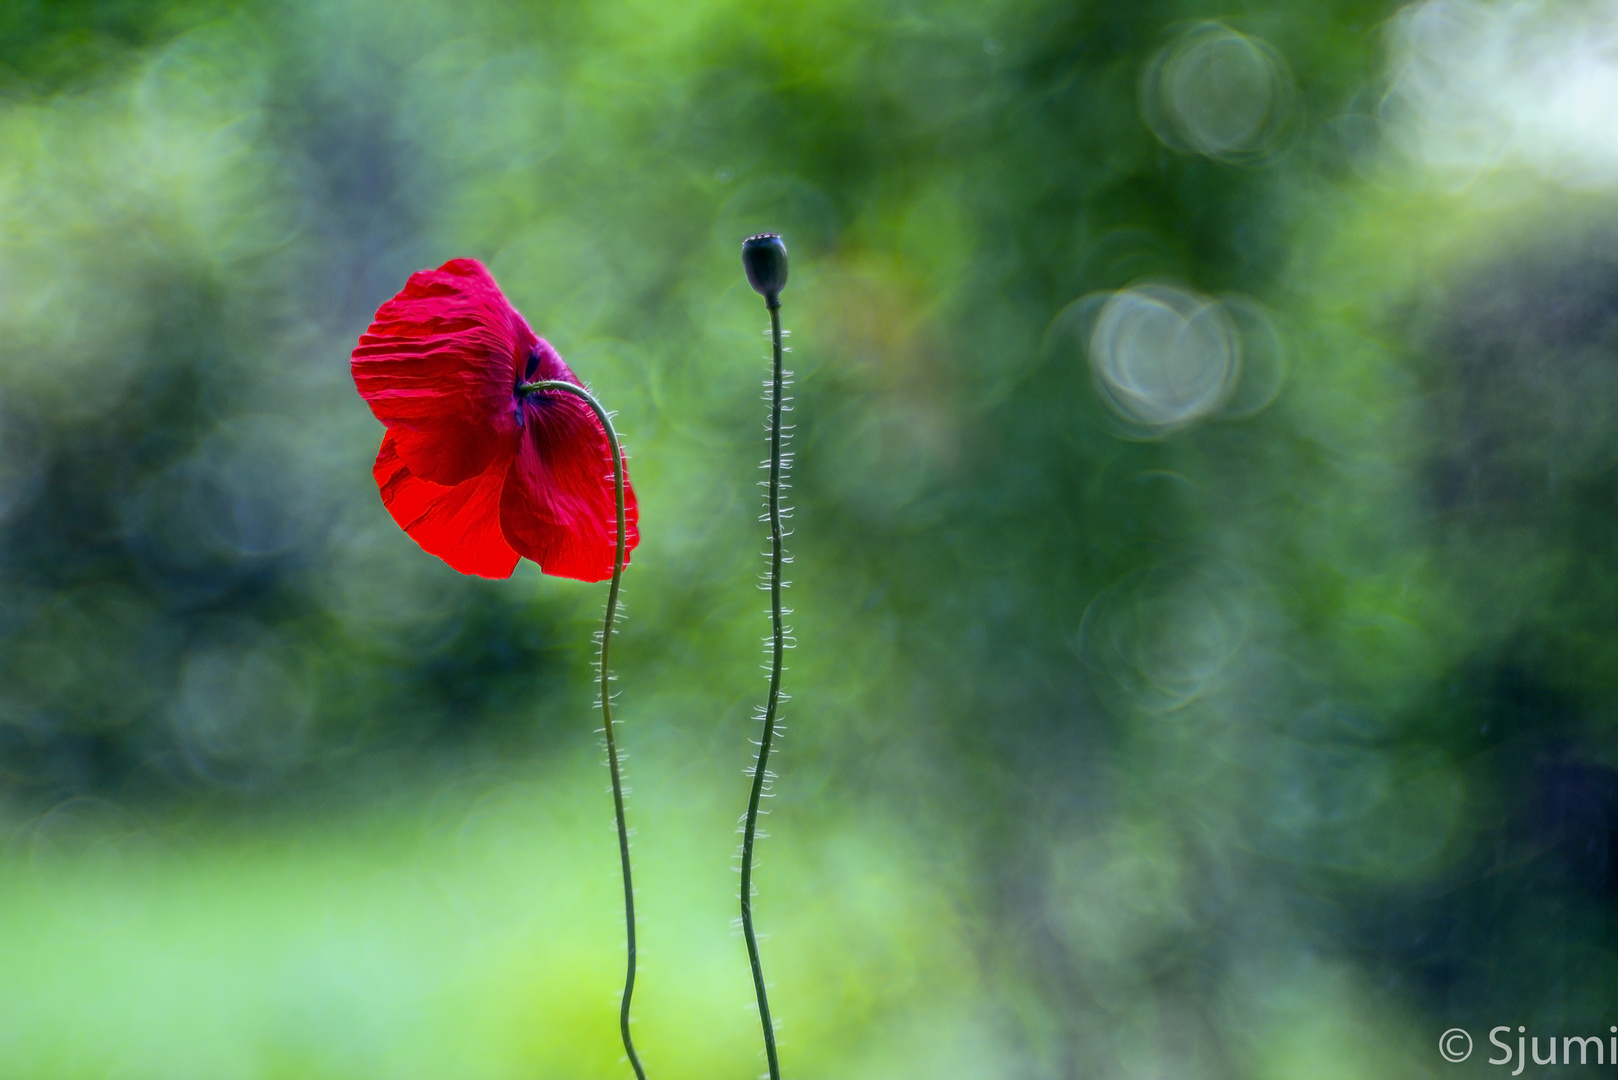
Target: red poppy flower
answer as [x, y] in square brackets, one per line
[475, 471]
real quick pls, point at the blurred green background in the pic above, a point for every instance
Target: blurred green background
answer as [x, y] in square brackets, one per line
[1206, 557]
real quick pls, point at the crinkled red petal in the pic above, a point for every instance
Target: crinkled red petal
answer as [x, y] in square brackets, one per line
[439, 367]
[558, 507]
[460, 523]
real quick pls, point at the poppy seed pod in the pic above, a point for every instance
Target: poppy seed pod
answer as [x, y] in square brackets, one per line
[765, 258]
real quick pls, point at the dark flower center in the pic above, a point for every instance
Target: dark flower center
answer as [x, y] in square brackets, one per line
[518, 393]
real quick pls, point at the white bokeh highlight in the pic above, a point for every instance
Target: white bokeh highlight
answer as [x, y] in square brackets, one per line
[1163, 357]
[1219, 93]
[1479, 87]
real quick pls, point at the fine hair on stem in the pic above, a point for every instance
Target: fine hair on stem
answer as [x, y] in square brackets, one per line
[779, 641]
[606, 702]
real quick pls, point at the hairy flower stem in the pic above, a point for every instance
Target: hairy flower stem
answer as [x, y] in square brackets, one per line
[750, 830]
[606, 701]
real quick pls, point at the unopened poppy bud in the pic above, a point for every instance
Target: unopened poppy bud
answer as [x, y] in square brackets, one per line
[765, 258]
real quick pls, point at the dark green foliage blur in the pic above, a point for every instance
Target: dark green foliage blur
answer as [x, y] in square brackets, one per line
[1237, 701]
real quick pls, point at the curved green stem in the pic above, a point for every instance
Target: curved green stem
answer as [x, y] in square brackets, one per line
[606, 699]
[750, 830]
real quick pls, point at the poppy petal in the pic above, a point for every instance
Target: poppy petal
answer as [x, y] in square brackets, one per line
[558, 507]
[460, 524]
[439, 366]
